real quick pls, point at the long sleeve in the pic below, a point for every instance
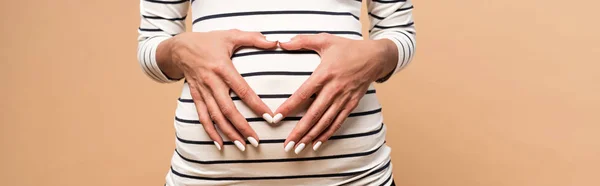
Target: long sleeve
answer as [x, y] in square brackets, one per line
[160, 20]
[392, 19]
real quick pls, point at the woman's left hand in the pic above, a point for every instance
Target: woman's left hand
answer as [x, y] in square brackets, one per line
[342, 78]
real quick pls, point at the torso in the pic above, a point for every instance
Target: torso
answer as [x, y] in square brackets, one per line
[356, 155]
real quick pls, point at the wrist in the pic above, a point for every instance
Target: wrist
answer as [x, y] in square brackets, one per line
[166, 56]
[387, 58]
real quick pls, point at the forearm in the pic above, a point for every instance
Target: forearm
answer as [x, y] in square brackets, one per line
[159, 22]
[393, 22]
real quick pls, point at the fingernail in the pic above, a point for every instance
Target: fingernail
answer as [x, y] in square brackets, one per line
[289, 146]
[267, 118]
[299, 148]
[271, 38]
[284, 40]
[253, 141]
[239, 145]
[217, 144]
[317, 145]
[277, 118]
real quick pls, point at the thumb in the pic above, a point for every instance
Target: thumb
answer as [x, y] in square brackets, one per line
[316, 42]
[252, 39]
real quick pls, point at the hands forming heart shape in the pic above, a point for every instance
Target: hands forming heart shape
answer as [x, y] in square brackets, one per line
[342, 78]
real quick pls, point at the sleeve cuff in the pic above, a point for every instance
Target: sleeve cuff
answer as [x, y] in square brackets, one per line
[401, 56]
[148, 59]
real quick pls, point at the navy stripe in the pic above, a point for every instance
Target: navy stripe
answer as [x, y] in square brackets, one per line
[272, 141]
[388, 1]
[278, 12]
[284, 177]
[403, 9]
[311, 32]
[375, 16]
[399, 10]
[166, 2]
[266, 96]
[403, 54]
[291, 118]
[276, 73]
[163, 18]
[151, 29]
[395, 26]
[145, 60]
[274, 52]
[411, 42]
[365, 113]
[273, 73]
[282, 160]
[346, 136]
[386, 180]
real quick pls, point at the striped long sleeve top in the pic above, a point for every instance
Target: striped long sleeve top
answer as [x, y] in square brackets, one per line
[355, 155]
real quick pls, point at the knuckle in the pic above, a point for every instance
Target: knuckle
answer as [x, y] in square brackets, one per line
[195, 95]
[213, 116]
[230, 134]
[232, 35]
[335, 127]
[205, 125]
[220, 68]
[243, 92]
[322, 74]
[331, 73]
[201, 115]
[294, 135]
[325, 136]
[324, 34]
[315, 114]
[324, 37]
[338, 87]
[234, 31]
[315, 119]
[226, 110]
[310, 136]
[208, 122]
[353, 103]
[300, 37]
[208, 129]
[205, 77]
[328, 120]
[303, 95]
[244, 130]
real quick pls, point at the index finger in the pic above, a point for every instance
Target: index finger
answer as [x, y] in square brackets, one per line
[306, 90]
[241, 88]
[252, 39]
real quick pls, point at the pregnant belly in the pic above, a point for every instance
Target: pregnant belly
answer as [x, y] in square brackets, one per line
[274, 76]
[275, 72]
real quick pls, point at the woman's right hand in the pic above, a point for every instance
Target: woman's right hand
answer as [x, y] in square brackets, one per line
[204, 60]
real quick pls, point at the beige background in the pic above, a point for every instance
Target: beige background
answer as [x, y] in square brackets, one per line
[501, 93]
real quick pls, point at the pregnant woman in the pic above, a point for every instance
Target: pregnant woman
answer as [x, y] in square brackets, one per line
[277, 92]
